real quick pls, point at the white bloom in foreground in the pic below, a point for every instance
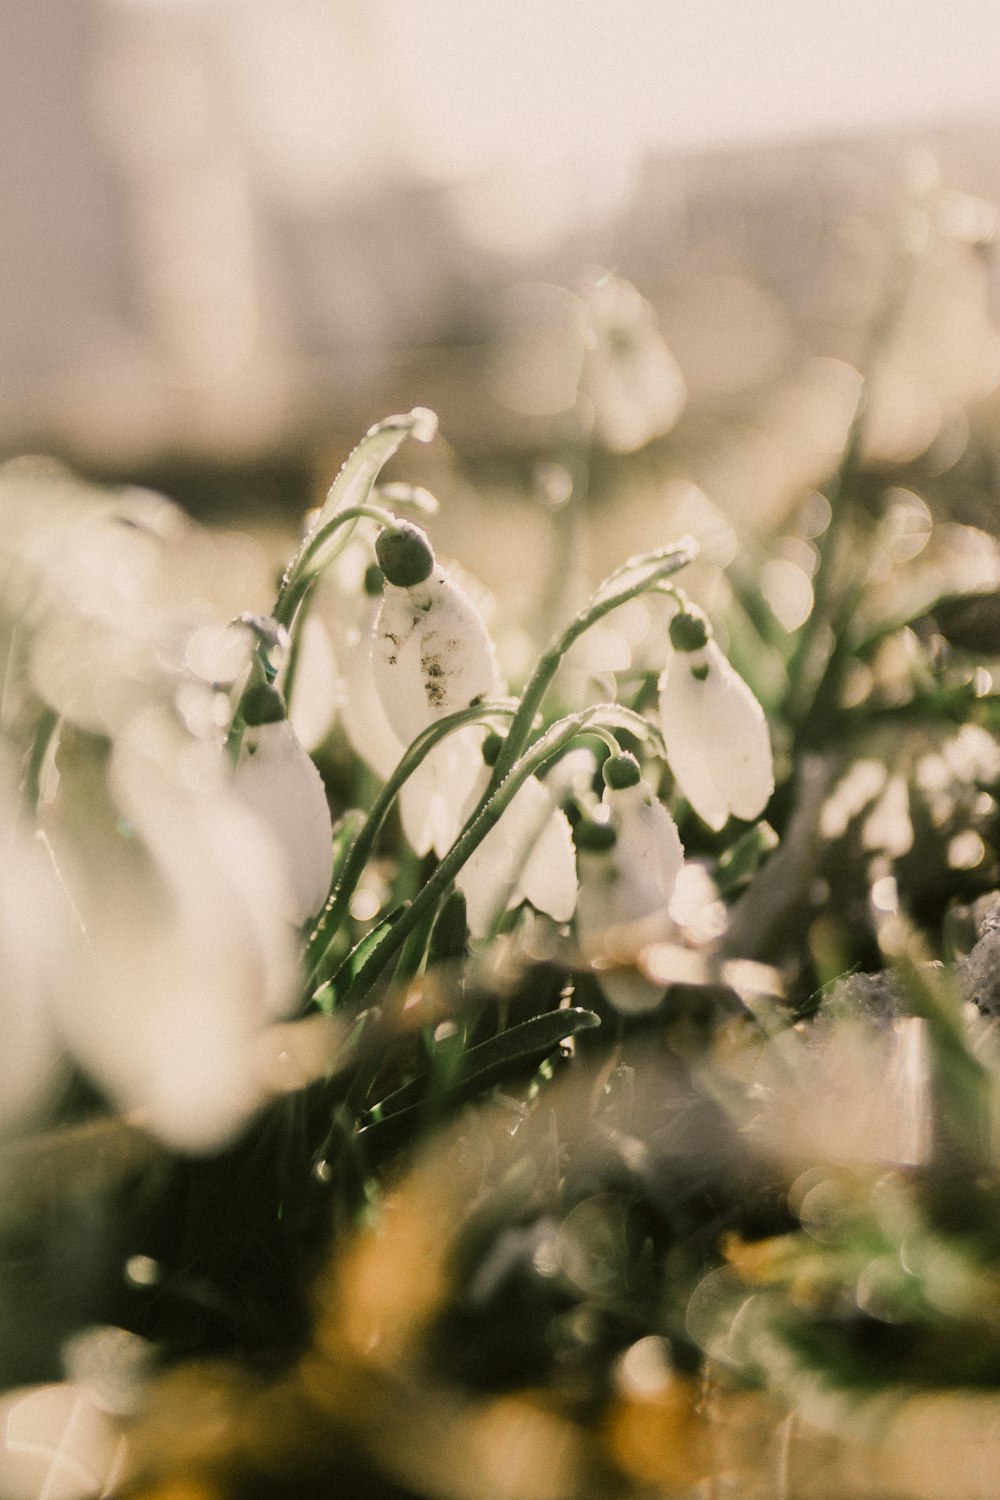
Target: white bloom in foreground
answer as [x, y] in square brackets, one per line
[716, 735]
[278, 781]
[33, 954]
[625, 890]
[527, 856]
[186, 953]
[431, 654]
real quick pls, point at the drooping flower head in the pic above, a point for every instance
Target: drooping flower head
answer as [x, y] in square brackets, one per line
[527, 856]
[631, 379]
[276, 778]
[714, 729]
[431, 654]
[629, 866]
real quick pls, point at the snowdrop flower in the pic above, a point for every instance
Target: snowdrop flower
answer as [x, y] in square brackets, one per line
[528, 856]
[632, 380]
[276, 779]
[716, 735]
[33, 962]
[436, 800]
[184, 958]
[368, 731]
[628, 869]
[431, 653]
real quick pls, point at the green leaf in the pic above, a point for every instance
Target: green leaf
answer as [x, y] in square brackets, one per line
[328, 995]
[450, 933]
[743, 859]
[492, 1061]
[970, 621]
[643, 572]
[361, 468]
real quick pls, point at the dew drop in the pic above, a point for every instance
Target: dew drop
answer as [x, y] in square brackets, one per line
[142, 1270]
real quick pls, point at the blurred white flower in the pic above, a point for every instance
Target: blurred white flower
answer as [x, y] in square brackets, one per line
[186, 952]
[633, 879]
[528, 856]
[432, 654]
[716, 735]
[634, 384]
[33, 945]
[277, 779]
[625, 890]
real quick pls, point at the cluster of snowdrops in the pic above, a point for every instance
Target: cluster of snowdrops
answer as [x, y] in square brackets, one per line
[227, 902]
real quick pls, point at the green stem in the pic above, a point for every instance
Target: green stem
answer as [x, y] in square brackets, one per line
[45, 732]
[336, 908]
[632, 578]
[485, 818]
[300, 575]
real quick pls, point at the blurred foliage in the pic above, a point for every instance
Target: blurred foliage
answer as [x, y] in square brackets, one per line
[502, 1233]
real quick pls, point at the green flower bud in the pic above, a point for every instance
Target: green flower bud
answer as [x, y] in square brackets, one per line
[690, 630]
[621, 771]
[492, 745]
[404, 555]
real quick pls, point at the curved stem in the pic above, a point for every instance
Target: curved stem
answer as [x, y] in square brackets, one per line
[299, 575]
[336, 908]
[483, 820]
[632, 578]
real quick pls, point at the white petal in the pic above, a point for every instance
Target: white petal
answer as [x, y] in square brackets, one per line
[614, 919]
[498, 875]
[716, 736]
[549, 879]
[277, 779]
[368, 731]
[436, 800]
[313, 705]
[189, 951]
[648, 847]
[432, 654]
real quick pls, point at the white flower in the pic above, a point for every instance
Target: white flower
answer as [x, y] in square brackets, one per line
[278, 781]
[528, 856]
[185, 953]
[716, 736]
[625, 890]
[630, 376]
[431, 655]
[634, 879]
[368, 731]
[437, 798]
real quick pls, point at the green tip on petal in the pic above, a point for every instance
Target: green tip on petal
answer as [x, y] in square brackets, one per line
[621, 771]
[374, 579]
[404, 555]
[263, 704]
[689, 630]
[593, 837]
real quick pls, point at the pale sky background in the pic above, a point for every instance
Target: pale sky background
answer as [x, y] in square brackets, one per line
[594, 77]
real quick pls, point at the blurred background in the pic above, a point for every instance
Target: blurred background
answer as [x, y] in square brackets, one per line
[237, 232]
